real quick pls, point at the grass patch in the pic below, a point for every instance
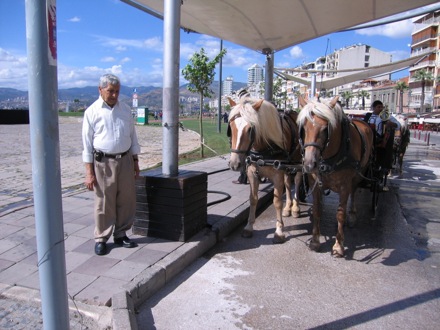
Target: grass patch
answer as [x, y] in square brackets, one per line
[71, 114]
[219, 142]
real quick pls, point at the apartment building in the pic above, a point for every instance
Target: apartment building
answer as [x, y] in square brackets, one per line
[425, 40]
[227, 86]
[342, 61]
[255, 75]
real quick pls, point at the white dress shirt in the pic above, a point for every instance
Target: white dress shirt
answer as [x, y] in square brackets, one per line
[110, 130]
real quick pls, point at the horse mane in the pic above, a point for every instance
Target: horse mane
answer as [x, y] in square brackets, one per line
[265, 120]
[403, 123]
[323, 110]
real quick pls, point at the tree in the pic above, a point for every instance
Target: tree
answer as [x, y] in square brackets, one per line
[279, 97]
[362, 94]
[347, 96]
[401, 86]
[200, 74]
[423, 76]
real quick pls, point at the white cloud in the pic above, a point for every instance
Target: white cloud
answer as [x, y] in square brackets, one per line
[396, 30]
[126, 59]
[75, 19]
[399, 55]
[296, 52]
[154, 43]
[13, 70]
[108, 59]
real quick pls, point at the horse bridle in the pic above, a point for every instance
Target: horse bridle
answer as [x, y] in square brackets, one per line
[320, 147]
[229, 135]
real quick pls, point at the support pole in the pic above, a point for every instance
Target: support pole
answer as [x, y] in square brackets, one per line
[170, 155]
[313, 87]
[219, 112]
[268, 79]
[46, 169]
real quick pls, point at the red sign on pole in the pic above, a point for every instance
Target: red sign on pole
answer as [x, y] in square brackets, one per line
[52, 31]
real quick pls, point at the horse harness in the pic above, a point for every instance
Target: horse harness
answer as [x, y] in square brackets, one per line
[343, 158]
[273, 155]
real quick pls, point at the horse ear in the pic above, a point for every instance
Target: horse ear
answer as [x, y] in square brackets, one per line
[231, 102]
[334, 101]
[302, 101]
[257, 104]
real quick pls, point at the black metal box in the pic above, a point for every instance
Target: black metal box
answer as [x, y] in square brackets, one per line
[173, 208]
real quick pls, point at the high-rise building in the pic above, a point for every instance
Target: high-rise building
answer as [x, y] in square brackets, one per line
[227, 86]
[255, 75]
[425, 40]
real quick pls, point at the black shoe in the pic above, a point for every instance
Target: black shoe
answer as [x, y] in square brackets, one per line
[100, 248]
[125, 242]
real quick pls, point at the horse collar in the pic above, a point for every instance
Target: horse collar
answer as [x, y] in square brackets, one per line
[343, 158]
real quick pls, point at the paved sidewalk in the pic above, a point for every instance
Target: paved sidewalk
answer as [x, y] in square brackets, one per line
[97, 286]
[103, 291]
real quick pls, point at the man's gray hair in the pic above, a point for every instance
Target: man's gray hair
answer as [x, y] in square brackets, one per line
[108, 79]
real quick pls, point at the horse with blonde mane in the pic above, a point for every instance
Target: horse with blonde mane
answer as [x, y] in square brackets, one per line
[401, 141]
[336, 154]
[267, 143]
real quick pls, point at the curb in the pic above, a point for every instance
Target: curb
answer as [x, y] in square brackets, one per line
[150, 281]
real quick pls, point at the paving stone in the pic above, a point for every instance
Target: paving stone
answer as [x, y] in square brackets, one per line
[75, 259]
[18, 253]
[99, 292]
[16, 272]
[125, 270]
[96, 265]
[77, 282]
[147, 256]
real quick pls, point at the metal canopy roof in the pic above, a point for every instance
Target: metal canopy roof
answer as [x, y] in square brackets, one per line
[358, 74]
[264, 25]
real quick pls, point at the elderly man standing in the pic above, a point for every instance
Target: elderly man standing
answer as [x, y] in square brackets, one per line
[110, 156]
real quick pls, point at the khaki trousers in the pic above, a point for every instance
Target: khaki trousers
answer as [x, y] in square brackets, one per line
[115, 197]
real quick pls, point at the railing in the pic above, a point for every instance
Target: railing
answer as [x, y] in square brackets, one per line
[423, 51]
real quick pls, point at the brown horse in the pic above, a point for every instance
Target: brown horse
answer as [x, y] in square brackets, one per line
[267, 143]
[336, 152]
[401, 141]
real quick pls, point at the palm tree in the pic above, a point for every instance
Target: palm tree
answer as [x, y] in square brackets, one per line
[423, 76]
[347, 96]
[362, 94]
[401, 86]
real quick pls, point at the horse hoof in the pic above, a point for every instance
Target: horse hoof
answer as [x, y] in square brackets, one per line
[247, 234]
[278, 239]
[314, 246]
[295, 215]
[286, 213]
[337, 254]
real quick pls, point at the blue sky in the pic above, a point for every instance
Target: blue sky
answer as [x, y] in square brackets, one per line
[100, 36]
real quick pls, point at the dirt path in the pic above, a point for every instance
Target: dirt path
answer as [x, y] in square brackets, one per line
[15, 153]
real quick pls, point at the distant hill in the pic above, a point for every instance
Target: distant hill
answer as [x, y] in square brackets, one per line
[149, 96]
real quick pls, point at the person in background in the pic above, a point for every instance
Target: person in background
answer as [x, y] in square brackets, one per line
[110, 155]
[242, 179]
[384, 126]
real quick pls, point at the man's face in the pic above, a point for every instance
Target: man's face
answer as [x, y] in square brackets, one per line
[377, 109]
[110, 94]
